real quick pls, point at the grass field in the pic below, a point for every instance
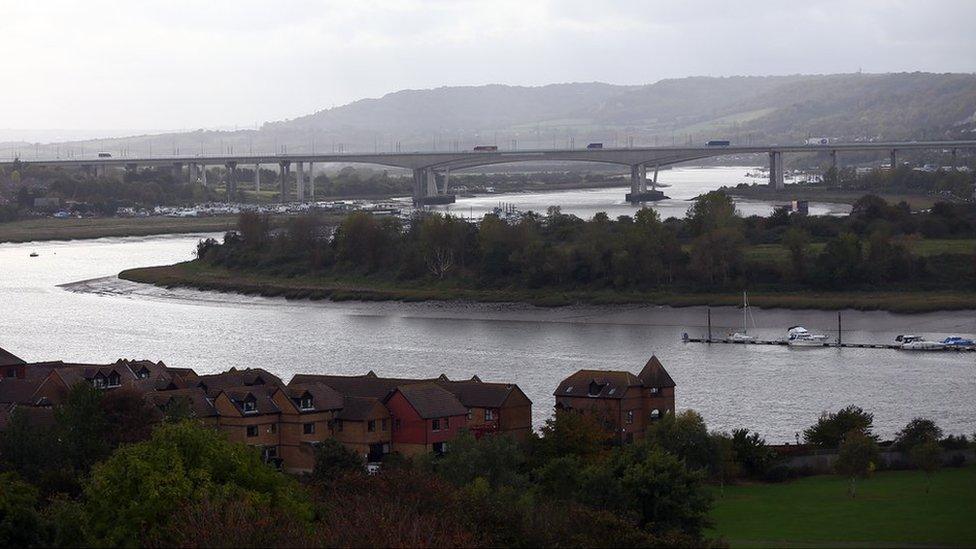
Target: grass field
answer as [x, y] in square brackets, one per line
[776, 253]
[892, 508]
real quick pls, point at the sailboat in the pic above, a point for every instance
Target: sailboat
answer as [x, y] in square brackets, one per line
[743, 336]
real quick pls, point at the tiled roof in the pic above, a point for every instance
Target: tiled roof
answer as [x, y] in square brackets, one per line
[654, 374]
[214, 383]
[430, 400]
[323, 396]
[199, 403]
[9, 359]
[17, 391]
[361, 409]
[478, 394]
[597, 384]
[368, 385]
[261, 395]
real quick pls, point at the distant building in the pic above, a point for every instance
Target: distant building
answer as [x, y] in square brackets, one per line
[623, 403]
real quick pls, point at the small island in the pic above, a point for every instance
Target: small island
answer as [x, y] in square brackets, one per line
[882, 256]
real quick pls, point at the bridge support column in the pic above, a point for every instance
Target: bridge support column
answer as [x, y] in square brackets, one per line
[300, 180]
[425, 189]
[638, 186]
[203, 174]
[231, 180]
[177, 171]
[776, 170]
[257, 177]
[894, 159]
[447, 181]
[954, 165]
[833, 160]
[311, 183]
[654, 181]
[283, 168]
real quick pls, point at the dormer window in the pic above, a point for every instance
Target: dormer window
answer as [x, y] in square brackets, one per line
[250, 406]
[306, 403]
[143, 373]
[114, 379]
[569, 389]
[595, 389]
[654, 390]
[99, 382]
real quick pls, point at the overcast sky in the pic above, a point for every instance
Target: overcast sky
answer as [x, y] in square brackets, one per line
[177, 64]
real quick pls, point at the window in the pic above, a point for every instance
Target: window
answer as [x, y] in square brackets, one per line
[440, 448]
[630, 417]
[273, 428]
[655, 414]
[98, 382]
[595, 389]
[308, 428]
[436, 424]
[489, 414]
[654, 391]
[250, 406]
[269, 452]
[143, 373]
[447, 423]
[306, 403]
[114, 380]
[338, 425]
[384, 425]
[396, 424]
[252, 430]
[470, 414]
[371, 426]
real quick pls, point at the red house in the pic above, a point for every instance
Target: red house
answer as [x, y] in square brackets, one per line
[425, 416]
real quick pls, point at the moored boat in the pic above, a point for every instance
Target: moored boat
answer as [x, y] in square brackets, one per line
[958, 342]
[918, 343]
[798, 336]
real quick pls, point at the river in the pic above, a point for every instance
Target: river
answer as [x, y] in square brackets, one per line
[685, 183]
[775, 390]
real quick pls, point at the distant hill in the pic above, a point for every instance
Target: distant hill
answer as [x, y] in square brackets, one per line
[758, 109]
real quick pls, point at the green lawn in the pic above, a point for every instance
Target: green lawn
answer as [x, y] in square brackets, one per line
[891, 508]
[776, 253]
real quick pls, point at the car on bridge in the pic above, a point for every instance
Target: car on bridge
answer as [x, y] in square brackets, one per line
[595, 146]
[718, 143]
[105, 155]
[486, 148]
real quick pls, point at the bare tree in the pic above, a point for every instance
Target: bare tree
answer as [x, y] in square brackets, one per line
[440, 261]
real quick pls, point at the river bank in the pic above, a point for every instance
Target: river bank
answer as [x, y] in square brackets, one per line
[193, 274]
[49, 228]
[820, 194]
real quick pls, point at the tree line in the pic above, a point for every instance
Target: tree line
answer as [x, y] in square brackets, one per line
[713, 247]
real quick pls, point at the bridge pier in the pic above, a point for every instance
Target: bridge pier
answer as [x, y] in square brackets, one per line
[894, 159]
[638, 186]
[231, 180]
[310, 189]
[425, 189]
[283, 168]
[257, 177]
[203, 174]
[300, 180]
[833, 160]
[776, 171]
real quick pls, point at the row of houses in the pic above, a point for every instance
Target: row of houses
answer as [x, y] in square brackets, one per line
[370, 414]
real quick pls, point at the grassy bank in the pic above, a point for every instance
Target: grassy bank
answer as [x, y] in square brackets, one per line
[892, 508]
[98, 227]
[198, 275]
[820, 194]
[71, 229]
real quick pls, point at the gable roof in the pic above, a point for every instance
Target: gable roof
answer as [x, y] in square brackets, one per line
[200, 405]
[654, 375]
[9, 359]
[608, 384]
[430, 400]
[361, 409]
[478, 394]
[214, 383]
[323, 396]
[18, 391]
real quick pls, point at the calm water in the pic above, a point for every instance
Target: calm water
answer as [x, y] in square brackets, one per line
[685, 184]
[776, 390]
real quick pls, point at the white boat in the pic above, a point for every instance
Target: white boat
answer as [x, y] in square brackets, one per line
[744, 336]
[918, 343]
[798, 336]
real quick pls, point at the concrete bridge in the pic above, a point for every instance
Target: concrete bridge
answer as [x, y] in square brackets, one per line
[431, 170]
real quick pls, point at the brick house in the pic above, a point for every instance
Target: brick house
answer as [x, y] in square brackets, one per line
[425, 417]
[492, 407]
[624, 403]
[364, 425]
